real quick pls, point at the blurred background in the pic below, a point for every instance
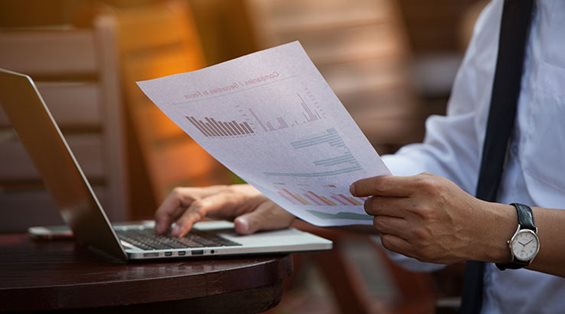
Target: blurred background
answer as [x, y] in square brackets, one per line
[391, 62]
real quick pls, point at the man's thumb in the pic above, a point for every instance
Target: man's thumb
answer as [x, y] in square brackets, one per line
[248, 223]
[267, 216]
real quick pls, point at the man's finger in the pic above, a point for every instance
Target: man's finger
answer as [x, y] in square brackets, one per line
[168, 212]
[268, 216]
[197, 211]
[384, 186]
[390, 225]
[171, 209]
[164, 221]
[184, 224]
[396, 244]
[388, 206]
[178, 200]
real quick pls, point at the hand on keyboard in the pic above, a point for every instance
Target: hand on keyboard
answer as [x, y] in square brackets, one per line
[250, 210]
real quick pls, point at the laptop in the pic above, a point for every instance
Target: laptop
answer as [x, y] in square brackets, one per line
[83, 213]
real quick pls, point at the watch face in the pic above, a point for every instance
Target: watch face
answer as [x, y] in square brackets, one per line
[525, 245]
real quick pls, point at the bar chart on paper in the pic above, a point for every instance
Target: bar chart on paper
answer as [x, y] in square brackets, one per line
[246, 119]
[338, 203]
[329, 158]
[337, 158]
[211, 127]
[309, 197]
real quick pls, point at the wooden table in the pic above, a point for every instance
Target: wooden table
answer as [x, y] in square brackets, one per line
[59, 275]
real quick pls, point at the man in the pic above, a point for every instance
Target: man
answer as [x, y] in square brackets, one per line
[426, 210]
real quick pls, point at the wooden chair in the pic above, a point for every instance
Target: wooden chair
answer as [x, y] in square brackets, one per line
[76, 72]
[361, 48]
[158, 40]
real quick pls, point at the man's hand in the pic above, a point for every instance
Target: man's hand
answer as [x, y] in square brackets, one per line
[430, 218]
[250, 210]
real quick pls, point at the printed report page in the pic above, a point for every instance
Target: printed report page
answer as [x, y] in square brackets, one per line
[272, 119]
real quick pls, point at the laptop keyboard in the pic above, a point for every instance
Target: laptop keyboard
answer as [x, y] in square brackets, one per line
[147, 239]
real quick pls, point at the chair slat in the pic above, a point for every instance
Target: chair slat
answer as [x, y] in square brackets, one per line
[72, 104]
[161, 25]
[49, 53]
[16, 165]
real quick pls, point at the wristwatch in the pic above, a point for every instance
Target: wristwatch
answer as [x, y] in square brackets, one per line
[524, 244]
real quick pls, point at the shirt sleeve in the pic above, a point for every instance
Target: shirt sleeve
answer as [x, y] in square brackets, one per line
[453, 143]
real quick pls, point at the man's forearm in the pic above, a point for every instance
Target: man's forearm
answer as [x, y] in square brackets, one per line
[551, 232]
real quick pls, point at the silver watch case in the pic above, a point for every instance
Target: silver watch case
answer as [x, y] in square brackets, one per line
[515, 235]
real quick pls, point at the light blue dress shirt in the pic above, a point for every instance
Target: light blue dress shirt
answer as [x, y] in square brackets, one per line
[535, 171]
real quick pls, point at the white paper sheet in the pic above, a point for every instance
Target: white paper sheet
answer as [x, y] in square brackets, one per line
[271, 118]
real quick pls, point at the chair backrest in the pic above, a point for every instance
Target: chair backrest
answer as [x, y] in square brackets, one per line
[361, 48]
[76, 72]
[157, 40]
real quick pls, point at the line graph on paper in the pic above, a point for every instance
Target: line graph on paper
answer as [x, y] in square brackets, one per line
[298, 109]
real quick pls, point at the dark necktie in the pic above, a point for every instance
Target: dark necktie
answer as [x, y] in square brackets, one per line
[514, 27]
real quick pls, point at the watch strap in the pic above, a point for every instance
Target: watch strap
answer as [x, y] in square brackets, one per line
[525, 216]
[515, 264]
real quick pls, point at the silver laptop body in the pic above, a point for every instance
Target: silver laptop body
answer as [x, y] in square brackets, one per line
[81, 210]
